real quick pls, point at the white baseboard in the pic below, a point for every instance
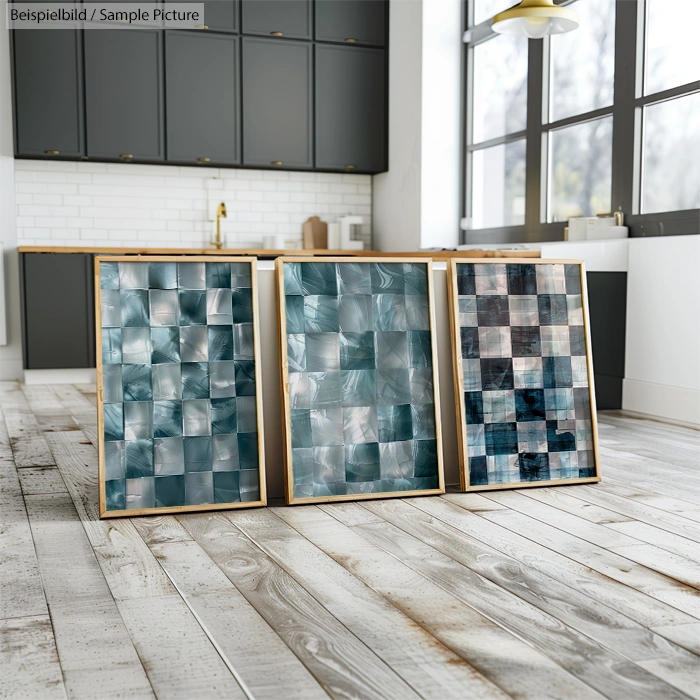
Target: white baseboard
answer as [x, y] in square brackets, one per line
[59, 376]
[669, 403]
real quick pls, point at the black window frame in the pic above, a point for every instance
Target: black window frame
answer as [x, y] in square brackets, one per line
[627, 134]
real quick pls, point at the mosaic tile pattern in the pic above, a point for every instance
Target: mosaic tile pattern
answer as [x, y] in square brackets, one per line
[523, 352]
[180, 421]
[362, 414]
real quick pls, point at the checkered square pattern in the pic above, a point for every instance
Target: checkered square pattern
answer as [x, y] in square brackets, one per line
[525, 374]
[180, 419]
[360, 376]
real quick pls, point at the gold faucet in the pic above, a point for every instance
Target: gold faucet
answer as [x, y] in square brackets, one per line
[221, 211]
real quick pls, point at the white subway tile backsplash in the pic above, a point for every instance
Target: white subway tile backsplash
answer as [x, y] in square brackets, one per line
[263, 185]
[344, 189]
[31, 186]
[123, 204]
[361, 199]
[62, 188]
[306, 197]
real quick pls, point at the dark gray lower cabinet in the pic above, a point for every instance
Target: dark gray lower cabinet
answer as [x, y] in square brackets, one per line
[607, 303]
[351, 21]
[58, 309]
[48, 82]
[202, 79]
[277, 103]
[124, 94]
[350, 109]
[281, 18]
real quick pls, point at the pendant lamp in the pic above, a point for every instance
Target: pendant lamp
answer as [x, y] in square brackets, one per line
[535, 19]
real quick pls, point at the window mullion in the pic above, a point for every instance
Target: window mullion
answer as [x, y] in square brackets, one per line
[533, 157]
[626, 120]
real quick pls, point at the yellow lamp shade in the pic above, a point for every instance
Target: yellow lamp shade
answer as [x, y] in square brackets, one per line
[535, 19]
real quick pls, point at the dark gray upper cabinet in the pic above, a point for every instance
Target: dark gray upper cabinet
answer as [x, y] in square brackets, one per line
[285, 18]
[277, 103]
[351, 21]
[202, 100]
[124, 94]
[350, 109]
[221, 15]
[58, 308]
[48, 87]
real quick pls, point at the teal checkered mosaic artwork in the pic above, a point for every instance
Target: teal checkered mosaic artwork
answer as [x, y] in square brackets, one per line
[360, 379]
[178, 386]
[524, 382]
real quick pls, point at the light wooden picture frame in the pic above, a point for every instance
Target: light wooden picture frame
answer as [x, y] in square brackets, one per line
[523, 373]
[348, 434]
[179, 399]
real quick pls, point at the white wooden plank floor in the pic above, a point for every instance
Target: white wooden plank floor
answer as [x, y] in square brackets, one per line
[574, 592]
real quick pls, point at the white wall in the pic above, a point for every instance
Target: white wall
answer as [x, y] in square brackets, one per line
[441, 144]
[10, 354]
[662, 365]
[416, 203]
[397, 201]
[124, 204]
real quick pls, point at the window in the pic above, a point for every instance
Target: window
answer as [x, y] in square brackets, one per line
[553, 132]
[670, 172]
[499, 119]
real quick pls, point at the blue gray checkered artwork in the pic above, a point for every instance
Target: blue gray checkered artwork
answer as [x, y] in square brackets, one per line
[179, 399]
[525, 375]
[360, 376]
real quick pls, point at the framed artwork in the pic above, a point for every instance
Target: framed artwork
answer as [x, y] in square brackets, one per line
[523, 373]
[359, 379]
[179, 407]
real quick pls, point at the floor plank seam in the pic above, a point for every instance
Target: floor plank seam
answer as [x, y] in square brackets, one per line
[582, 632]
[291, 574]
[241, 682]
[629, 625]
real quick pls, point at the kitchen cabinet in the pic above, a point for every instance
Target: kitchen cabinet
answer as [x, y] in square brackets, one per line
[124, 94]
[220, 15]
[58, 325]
[350, 109]
[279, 18]
[48, 92]
[228, 95]
[352, 21]
[202, 97]
[277, 103]
[607, 303]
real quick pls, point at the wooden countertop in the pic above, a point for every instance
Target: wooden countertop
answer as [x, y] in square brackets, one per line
[256, 252]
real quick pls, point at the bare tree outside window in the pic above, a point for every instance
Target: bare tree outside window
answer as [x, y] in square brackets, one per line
[583, 62]
[672, 52]
[500, 87]
[671, 141]
[671, 175]
[580, 168]
[582, 80]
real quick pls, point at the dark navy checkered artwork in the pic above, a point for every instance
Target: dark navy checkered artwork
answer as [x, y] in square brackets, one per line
[524, 373]
[178, 385]
[360, 379]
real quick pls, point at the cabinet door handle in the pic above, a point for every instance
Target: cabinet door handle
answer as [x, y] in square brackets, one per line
[50, 153]
[351, 41]
[276, 162]
[350, 167]
[203, 160]
[126, 156]
[276, 33]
